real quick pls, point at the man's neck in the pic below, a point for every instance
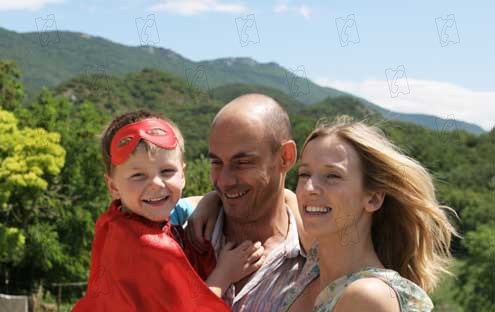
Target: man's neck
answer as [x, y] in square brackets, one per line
[270, 230]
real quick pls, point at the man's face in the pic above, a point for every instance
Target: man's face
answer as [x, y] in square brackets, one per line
[244, 170]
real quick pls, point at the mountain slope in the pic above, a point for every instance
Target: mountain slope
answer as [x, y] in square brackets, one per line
[229, 92]
[54, 57]
[189, 107]
[63, 55]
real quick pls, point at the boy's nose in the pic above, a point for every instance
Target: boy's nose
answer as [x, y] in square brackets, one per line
[158, 182]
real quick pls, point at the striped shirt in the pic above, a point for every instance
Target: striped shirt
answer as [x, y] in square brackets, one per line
[284, 268]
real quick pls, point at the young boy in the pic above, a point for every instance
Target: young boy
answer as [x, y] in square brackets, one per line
[139, 261]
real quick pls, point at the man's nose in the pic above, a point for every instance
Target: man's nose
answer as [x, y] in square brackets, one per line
[226, 178]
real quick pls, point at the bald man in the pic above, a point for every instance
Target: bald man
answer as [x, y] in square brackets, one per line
[251, 150]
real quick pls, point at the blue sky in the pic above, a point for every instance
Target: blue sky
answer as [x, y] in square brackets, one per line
[441, 52]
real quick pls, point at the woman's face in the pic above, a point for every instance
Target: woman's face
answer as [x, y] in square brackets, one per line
[330, 191]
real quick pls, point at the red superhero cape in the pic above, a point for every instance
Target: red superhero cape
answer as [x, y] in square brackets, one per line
[139, 265]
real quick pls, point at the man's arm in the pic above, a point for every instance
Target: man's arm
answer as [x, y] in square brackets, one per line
[202, 221]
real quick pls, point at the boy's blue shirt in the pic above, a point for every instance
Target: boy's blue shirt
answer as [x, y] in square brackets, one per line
[181, 212]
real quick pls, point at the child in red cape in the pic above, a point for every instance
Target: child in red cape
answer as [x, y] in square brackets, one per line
[139, 261]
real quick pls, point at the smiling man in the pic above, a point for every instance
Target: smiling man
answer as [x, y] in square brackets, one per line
[251, 150]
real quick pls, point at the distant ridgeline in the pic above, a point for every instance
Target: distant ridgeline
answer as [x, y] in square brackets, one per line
[59, 56]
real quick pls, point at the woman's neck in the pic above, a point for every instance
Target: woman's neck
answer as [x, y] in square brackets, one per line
[345, 252]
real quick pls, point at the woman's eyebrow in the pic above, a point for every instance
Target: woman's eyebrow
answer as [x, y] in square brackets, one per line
[331, 166]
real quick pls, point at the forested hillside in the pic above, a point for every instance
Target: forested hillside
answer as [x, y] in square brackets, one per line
[52, 190]
[50, 58]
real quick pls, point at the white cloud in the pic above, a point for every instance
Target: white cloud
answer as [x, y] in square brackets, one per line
[304, 11]
[282, 7]
[194, 7]
[441, 99]
[13, 5]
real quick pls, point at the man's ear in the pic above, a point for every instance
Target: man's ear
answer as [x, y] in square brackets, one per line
[374, 201]
[288, 154]
[112, 188]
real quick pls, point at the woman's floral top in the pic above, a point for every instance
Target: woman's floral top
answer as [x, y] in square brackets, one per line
[411, 297]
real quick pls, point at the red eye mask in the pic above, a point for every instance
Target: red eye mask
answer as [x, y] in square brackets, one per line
[153, 130]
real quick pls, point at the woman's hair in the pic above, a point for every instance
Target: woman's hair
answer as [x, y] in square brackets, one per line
[128, 118]
[411, 232]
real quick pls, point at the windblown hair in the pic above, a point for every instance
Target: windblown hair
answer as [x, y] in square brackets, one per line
[411, 232]
[128, 118]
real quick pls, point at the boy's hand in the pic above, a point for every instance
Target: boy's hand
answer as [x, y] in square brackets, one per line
[235, 263]
[202, 221]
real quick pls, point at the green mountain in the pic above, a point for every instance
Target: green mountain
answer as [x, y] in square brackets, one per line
[165, 92]
[229, 92]
[50, 58]
[191, 108]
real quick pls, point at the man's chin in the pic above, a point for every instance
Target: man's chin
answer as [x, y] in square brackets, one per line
[238, 215]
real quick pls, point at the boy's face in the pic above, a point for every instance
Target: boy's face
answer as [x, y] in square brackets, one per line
[149, 185]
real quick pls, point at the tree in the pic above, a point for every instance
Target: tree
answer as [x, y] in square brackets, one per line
[30, 158]
[29, 161]
[78, 196]
[12, 244]
[477, 291]
[11, 89]
[198, 177]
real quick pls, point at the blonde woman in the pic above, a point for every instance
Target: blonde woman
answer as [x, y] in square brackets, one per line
[383, 239]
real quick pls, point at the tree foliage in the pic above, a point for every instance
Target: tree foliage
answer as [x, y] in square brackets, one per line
[477, 290]
[11, 89]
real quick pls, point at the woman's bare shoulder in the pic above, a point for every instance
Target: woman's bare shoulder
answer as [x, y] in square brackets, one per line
[368, 294]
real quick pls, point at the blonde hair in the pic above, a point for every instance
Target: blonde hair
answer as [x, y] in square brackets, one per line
[411, 231]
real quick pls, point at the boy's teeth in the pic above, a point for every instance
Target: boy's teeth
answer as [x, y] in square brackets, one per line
[317, 209]
[235, 195]
[155, 199]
